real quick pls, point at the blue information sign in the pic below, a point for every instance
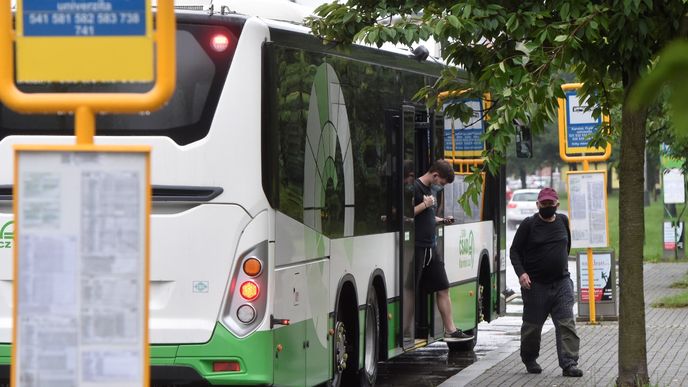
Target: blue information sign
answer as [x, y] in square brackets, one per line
[84, 17]
[467, 135]
[580, 124]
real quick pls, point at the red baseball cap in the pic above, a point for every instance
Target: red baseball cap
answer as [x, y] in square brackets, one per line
[548, 194]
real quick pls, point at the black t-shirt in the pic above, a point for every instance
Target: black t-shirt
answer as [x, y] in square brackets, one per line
[425, 220]
[541, 249]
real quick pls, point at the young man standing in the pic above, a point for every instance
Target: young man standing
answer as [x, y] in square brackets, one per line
[433, 275]
[539, 254]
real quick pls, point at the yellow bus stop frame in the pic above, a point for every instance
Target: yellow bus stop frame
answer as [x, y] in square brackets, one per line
[586, 160]
[562, 133]
[463, 162]
[86, 105]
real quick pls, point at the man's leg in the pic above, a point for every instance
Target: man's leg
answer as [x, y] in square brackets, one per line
[534, 315]
[444, 306]
[568, 342]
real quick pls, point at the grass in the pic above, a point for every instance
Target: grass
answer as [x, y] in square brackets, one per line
[682, 284]
[675, 301]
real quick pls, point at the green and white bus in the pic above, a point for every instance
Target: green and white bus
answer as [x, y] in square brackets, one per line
[282, 233]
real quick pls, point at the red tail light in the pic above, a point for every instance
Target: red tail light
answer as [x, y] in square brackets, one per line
[219, 42]
[249, 290]
[512, 205]
[224, 366]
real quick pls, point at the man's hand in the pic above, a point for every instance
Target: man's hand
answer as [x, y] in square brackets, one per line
[429, 201]
[524, 280]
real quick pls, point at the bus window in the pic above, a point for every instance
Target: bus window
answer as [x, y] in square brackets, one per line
[186, 118]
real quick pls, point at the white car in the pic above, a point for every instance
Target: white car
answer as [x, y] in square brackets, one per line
[521, 206]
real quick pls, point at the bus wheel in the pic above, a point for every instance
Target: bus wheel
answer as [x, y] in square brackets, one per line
[340, 354]
[345, 352]
[372, 340]
[469, 345]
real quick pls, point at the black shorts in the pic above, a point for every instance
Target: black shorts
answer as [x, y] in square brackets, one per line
[430, 267]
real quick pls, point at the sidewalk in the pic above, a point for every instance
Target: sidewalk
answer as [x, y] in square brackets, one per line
[667, 353]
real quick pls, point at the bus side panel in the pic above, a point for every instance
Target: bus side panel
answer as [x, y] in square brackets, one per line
[301, 294]
[289, 340]
[463, 245]
[360, 256]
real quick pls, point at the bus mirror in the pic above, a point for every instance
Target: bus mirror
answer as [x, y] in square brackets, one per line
[524, 141]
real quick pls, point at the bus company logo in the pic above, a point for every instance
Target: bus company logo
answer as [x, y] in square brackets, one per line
[466, 248]
[6, 235]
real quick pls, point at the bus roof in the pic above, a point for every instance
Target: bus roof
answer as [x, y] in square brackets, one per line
[283, 10]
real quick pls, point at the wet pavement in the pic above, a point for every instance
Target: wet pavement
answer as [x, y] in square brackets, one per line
[432, 365]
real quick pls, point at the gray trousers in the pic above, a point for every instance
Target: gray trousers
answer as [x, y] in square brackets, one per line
[555, 299]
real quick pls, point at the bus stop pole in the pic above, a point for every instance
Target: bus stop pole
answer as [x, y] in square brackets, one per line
[591, 271]
[85, 125]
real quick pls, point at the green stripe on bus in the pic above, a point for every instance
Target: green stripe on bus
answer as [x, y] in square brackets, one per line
[463, 300]
[254, 353]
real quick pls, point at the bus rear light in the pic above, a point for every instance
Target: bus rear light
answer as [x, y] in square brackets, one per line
[246, 314]
[245, 305]
[225, 366]
[252, 267]
[219, 42]
[249, 290]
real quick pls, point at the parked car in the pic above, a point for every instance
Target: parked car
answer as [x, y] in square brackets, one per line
[521, 206]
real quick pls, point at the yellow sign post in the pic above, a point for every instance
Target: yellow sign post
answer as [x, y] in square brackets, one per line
[86, 105]
[84, 41]
[575, 125]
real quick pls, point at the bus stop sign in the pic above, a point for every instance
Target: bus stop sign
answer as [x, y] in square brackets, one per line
[84, 41]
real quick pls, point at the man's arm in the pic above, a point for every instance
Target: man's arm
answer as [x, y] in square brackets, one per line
[518, 246]
[568, 232]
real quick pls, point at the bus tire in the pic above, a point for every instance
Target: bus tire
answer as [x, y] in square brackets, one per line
[371, 350]
[345, 342]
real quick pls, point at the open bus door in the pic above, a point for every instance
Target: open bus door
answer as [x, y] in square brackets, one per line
[417, 146]
[406, 163]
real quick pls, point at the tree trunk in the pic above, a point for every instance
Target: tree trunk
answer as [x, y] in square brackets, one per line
[632, 340]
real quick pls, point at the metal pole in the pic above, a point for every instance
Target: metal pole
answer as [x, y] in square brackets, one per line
[591, 272]
[85, 125]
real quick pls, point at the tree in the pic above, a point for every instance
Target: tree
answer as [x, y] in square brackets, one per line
[517, 50]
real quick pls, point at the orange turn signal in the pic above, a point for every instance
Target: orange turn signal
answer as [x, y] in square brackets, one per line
[252, 267]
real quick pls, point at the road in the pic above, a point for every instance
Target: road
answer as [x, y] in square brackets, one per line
[432, 365]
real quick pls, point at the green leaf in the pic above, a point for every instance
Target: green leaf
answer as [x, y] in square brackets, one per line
[467, 11]
[439, 27]
[453, 20]
[372, 36]
[510, 22]
[564, 11]
[561, 38]
[408, 34]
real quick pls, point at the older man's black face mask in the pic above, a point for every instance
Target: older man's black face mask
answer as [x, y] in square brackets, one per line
[547, 212]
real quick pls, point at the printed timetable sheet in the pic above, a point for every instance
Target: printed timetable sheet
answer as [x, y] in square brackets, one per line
[81, 268]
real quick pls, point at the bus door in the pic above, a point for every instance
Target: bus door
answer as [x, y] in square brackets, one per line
[402, 133]
[436, 149]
